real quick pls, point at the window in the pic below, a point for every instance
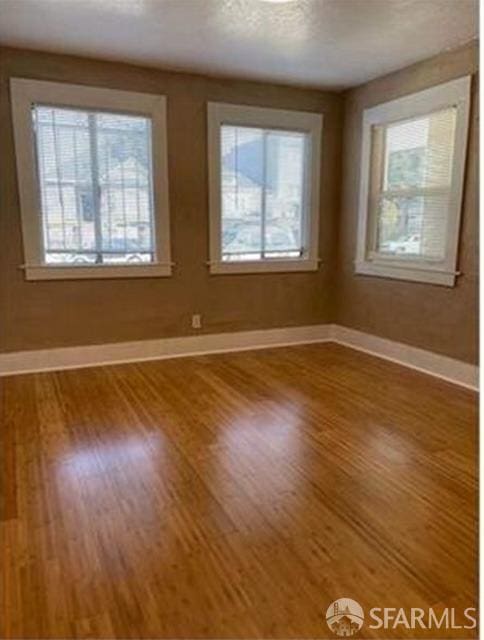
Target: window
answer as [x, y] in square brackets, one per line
[264, 189]
[413, 160]
[92, 177]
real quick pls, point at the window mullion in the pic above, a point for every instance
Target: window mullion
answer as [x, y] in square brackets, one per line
[96, 189]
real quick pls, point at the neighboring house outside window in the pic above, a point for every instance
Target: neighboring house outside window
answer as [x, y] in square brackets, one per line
[264, 189]
[94, 194]
[85, 203]
[412, 173]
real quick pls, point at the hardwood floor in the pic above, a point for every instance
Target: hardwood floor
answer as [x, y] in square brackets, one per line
[234, 496]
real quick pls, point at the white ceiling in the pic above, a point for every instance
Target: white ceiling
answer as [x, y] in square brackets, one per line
[321, 43]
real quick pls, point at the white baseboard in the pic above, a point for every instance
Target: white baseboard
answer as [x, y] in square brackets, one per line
[120, 352]
[455, 371]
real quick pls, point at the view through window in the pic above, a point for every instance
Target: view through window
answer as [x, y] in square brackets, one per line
[263, 193]
[95, 181]
[412, 160]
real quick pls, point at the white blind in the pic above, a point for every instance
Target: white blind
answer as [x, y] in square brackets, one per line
[411, 185]
[95, 181]
[263, 193]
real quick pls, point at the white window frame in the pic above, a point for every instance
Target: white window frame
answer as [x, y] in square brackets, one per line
[219, 114]
[24, 94]
[443, 272]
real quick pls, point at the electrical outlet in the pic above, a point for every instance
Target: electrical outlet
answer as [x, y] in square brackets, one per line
[196, 321]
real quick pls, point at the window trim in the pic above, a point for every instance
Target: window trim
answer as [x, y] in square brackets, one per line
[311, 123]
[443, 272]
[25, 93]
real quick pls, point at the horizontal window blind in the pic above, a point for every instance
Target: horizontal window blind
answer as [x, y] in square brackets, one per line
[263, 193]
[95, 180]
[410, 185]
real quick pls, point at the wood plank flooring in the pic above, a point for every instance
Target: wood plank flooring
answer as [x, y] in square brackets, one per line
[234, 496]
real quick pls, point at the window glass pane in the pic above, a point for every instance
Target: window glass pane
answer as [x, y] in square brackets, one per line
[124, 159]
[242, 155]
[284, 192]
[414, 159]
[419, 152]
[405, 154]
[63, 161]
[413, 226]
[95, 184]
[262, 193]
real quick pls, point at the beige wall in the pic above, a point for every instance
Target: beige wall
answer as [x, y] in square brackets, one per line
[46, 314]
[432, 317]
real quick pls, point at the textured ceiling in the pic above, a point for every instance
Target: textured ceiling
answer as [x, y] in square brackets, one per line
[321, 43]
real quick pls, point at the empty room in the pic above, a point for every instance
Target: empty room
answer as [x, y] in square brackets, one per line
[239, 319]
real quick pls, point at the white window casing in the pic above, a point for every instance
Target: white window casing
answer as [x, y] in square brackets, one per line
[450, 100]
[27, 96]
[225, 120]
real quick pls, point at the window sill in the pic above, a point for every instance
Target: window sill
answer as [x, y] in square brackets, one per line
[266, 266]
[63, 272]
[411, 273]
